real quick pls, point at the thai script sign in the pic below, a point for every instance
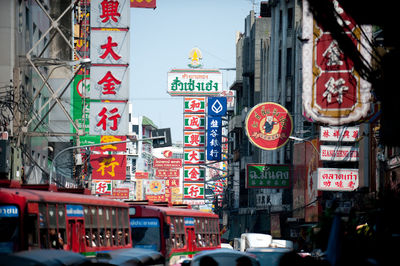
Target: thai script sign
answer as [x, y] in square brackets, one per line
[8, 211]
[194, 105]
[167, 163]
[74, 211]
[164, 173]
[141, 175]
[339, 153]
[333, 92]
[267, 176]
[111, 167]
[350, 134]
[194, 82]
[268, 125]
[337, 179]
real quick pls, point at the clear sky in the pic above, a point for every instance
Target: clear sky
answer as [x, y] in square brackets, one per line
[161, 40]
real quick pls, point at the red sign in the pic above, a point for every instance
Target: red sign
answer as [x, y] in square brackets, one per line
[172, 182]
[111, 167]
[111, 147]
[155, 197]
[141, 175]
[119, 193]
[269, 125]
[167, 163]
[144, 3]
[167, 153]
[162, 173]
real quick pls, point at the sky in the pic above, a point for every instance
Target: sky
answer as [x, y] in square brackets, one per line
[161, 40]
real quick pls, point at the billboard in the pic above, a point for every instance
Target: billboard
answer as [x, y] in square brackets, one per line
[112, 167]
[267, 176]
[335, 179]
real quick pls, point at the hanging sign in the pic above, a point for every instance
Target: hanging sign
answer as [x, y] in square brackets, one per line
[109, 118]
[339, 153]
[111, 167]
[193, 156]
[336, 179]
[109, 14]
[194, 139]
[102, 186]
[217, 106]
[268, 125]
[347, 134]
[214, 138]
[194, 122]
[193, 173]
[193, 191]
[267, 176]
[194, 105]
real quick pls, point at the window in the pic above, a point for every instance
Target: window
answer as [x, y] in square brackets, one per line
[289, 62]
[290, 18]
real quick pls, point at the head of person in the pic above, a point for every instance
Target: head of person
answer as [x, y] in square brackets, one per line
[243, 261]
[207, 261]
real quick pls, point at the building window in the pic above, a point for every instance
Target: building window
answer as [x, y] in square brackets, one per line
[290, 18]
[289, 62]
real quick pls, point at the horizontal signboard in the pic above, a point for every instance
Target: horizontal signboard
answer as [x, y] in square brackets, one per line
[167, 163]
[336, 179]
[267, 176]
[350, 134]
[339, 153]
[165, 173]
[194, 82]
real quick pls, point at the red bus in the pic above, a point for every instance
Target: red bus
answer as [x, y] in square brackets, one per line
[32, 219]
[176, 232]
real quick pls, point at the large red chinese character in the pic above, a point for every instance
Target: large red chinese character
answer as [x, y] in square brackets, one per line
[193, 191]
[109, 49]
[193, 174]
[193, 156]
[109, 83]
[109, 10]
[104, 118]
[195, 122]
[194, 105]
[194, 139]
[101, 188]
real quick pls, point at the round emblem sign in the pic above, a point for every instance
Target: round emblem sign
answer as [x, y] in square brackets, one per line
[269, 125]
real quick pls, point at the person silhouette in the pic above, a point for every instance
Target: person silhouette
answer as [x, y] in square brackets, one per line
[207, 261]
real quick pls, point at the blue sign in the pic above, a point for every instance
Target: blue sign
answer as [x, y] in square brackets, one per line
[214, 138]
[217, 106]
[144, 222]
[74, 211]
[8, 211]
[189, 221]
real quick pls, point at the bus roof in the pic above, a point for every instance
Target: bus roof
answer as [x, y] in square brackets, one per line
[176, 211]
[57, 197]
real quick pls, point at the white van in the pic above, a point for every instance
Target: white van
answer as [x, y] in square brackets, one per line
[281, 243]
[254, 240]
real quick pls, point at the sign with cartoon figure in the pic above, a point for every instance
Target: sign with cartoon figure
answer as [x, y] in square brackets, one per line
[268, 125]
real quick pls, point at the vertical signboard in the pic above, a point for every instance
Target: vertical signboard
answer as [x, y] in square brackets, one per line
[214, 138]
[333, 92]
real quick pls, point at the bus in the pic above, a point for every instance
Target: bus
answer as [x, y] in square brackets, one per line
[177, 232]
[38, 219]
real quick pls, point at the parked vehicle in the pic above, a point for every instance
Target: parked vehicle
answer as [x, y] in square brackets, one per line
[281, 243]
[226, 245]
[131, 256]
[268, 256]
[254, 240]
[224, 257]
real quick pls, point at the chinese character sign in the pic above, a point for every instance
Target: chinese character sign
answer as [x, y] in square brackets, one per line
[193, 191]
[194, 105]
[194, 138]
[194, 122]
[112, 167]
[109, 47]
[109, 83]
[111, 147]
[193, 173]
[268, 125]
[333, 92]
[346, 134]
[194, 156]
[108, 118]
[102, 187]
[109, 14]
[214, 138]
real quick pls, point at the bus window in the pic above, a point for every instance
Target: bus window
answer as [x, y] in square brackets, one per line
[44, 243]
[101, 227]
[114, 226]
[95, 234]
[121, 238]
[8, 228]
[108, 237]
[126, 226]
[88, 225]
[146, 233]
[61, 223]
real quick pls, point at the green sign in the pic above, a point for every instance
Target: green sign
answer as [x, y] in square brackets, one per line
[268, 176]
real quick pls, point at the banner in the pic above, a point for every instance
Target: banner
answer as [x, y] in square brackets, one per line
[111, 147]
[143, 3]
[111, 167]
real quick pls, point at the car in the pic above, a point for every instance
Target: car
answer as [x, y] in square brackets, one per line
[223, 256]
[268, 256]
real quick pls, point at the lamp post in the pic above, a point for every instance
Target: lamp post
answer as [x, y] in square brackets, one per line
[53, 162]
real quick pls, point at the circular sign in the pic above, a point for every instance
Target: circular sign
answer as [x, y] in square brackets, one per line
[83, 87]
[167, 153]
[269, 125]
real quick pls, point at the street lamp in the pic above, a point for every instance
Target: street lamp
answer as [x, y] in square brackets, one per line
[304, 140]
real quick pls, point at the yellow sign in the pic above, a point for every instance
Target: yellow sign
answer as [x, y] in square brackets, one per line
[195, 56]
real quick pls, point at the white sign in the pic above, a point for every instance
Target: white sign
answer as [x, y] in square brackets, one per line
[335, 179]
[110, 14]
[154, 187]
[109, 83]
[108, 118]
[350, 134]
[339, 153]
[109, 47]
[193, 82]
